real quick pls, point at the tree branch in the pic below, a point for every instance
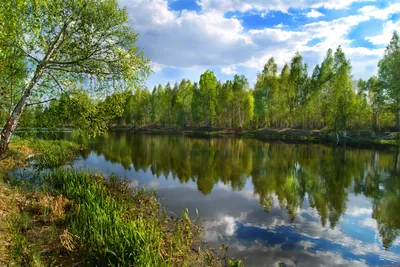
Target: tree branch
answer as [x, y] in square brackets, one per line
[27, 54]
[42, 102]
[84, 71]
[57, 82]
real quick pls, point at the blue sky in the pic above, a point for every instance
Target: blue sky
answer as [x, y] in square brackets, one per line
[183, 38]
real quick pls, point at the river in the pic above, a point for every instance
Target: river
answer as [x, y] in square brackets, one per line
[272, 202]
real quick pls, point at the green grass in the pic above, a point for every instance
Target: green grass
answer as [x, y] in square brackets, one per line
[113, 228]
[22, 253]
[52, 154]
[77, 217]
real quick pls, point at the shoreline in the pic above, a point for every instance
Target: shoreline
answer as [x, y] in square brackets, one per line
[368, 138]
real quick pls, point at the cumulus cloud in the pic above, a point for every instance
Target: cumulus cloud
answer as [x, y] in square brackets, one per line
[133, 183]
[209, 39]
[223, 224]
[187, 39]
[377, 13]
[387, 33]
[230, 70]
[260, 238]
[357, 211]
[314, 14]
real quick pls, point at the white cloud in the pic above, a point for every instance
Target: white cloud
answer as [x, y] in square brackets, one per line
[383, 14]
[369, 223]
[305, 244]
[188, 40]
[153, 185]
[267, 253]
[330, 33]
[282, 5]
[222, 225]
[357, 211]
[314, 14]
[386, 35]
[334, 31]
[230, 70]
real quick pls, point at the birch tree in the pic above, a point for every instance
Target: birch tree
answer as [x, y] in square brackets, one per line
[65, 43]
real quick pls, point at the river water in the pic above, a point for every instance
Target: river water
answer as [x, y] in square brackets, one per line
[274, 203]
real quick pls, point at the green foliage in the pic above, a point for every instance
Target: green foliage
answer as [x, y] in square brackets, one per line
[95, 220]
[49, 48]
[389, 73]
[208, 97]
[13, 61]
[137, 109]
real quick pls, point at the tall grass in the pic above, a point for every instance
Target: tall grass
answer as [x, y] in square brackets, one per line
[113, 228]
[53, 154]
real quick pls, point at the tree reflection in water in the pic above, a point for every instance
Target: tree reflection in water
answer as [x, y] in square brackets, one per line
[288, 173]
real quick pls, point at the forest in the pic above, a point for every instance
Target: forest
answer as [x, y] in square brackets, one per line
[328, 99]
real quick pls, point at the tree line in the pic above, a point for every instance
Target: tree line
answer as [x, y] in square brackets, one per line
[327, 99]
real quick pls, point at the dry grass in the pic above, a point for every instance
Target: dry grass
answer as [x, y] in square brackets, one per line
[44, 209]
[45, 235]
[11, 200]
[16, 157]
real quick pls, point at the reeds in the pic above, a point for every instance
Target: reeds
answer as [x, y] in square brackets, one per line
[114, 228]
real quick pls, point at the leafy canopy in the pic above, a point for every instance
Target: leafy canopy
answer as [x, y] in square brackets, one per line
[84, 44]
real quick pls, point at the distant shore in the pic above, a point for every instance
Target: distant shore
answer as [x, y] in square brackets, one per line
[352, 137]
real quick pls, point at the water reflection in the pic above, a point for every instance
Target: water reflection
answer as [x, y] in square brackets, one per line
[304, 191]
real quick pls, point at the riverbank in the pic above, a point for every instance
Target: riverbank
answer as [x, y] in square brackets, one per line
[61, 217]
[351, 137]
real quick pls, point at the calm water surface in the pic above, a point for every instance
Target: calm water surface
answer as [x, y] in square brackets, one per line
[293, 204]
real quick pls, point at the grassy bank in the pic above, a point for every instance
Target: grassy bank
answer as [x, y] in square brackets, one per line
[15, 248]
[77, 218]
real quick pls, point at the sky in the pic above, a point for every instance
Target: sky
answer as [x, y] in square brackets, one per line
[183, 38]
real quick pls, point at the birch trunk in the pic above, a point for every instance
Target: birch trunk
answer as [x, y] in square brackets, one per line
[12, 121]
